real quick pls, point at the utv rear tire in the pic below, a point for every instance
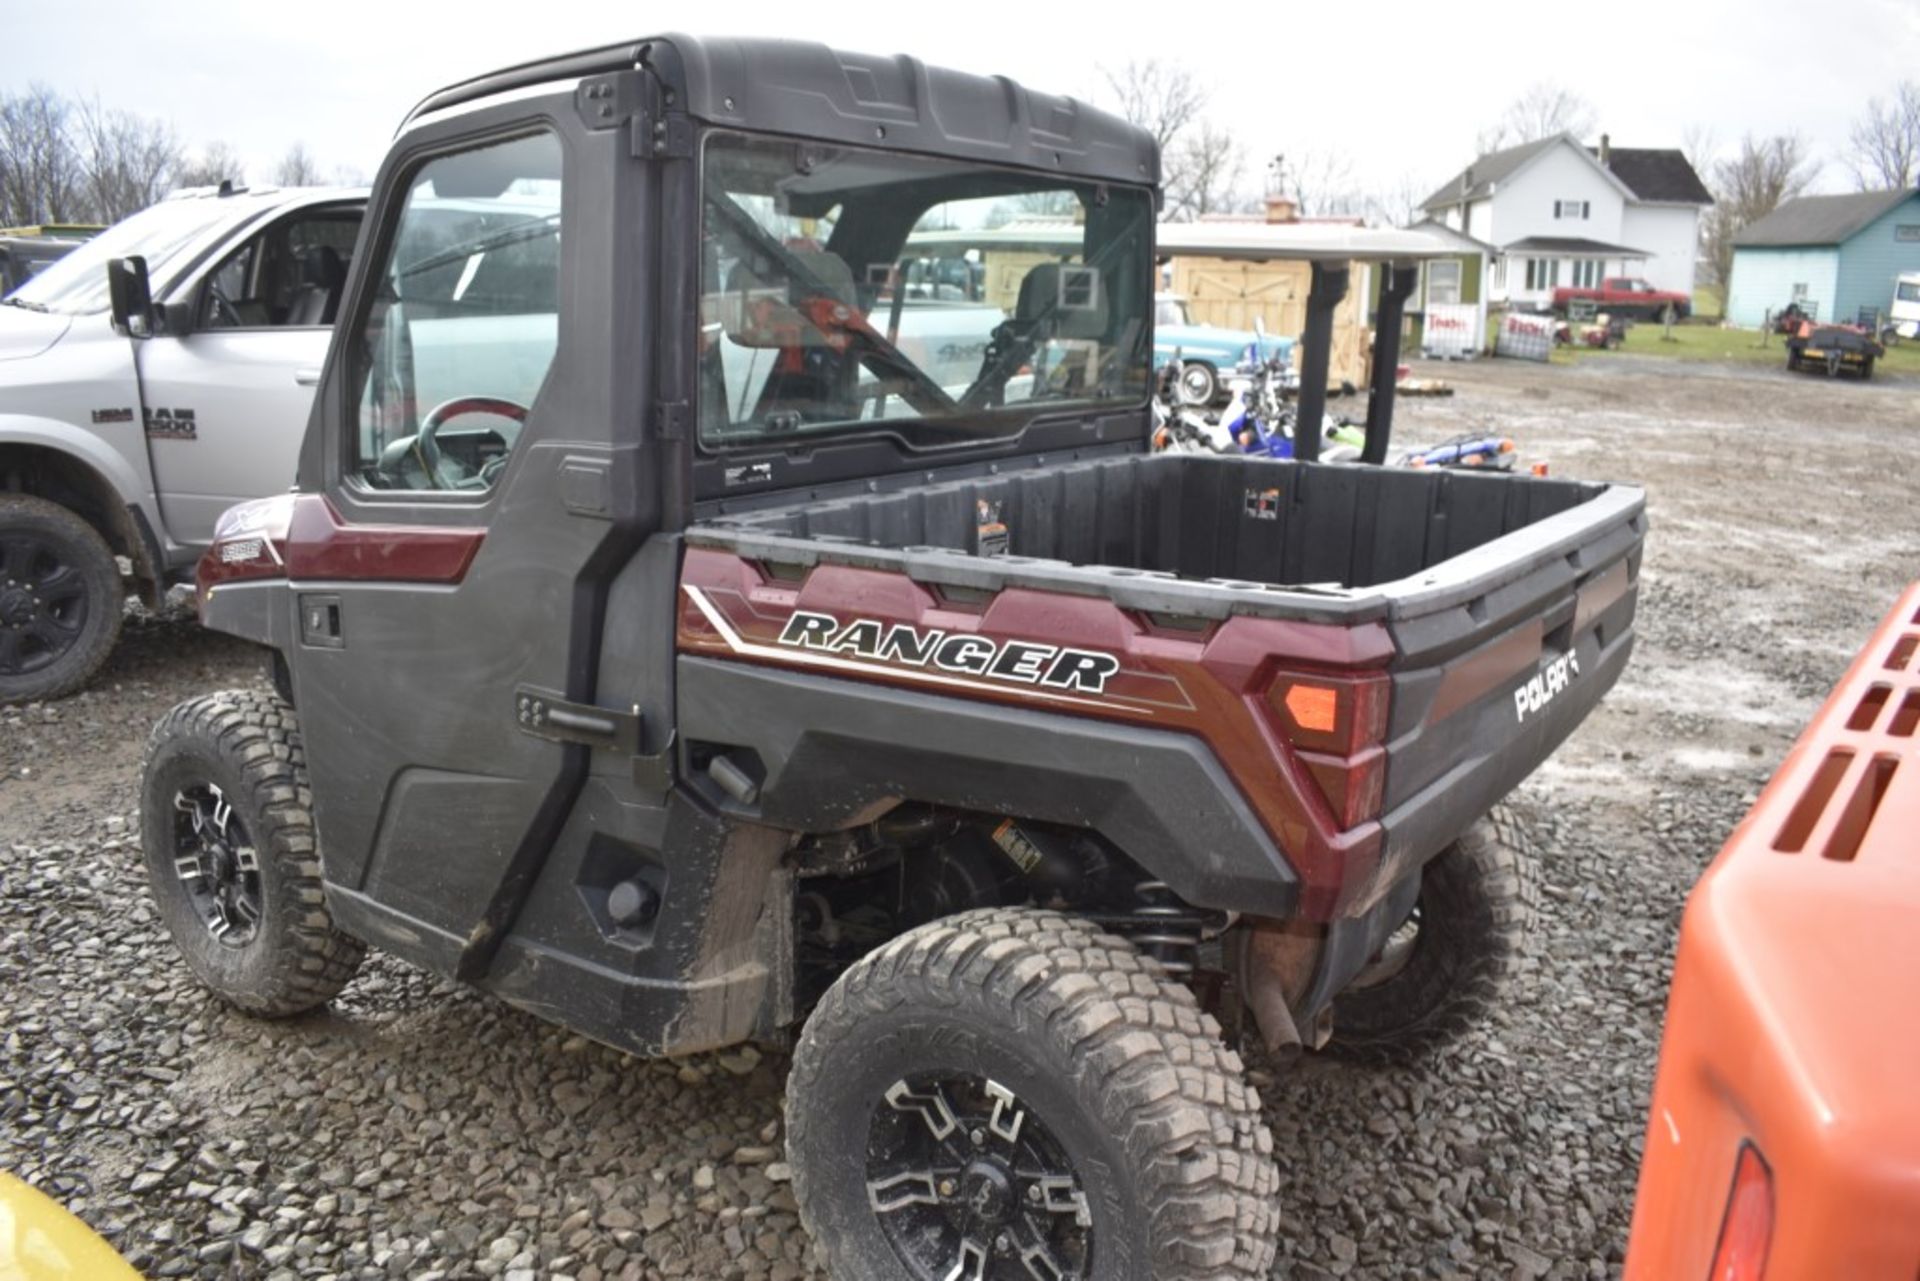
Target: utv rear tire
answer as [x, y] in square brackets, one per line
[61, 600]
[232, 862]
[1479, 899]
[1111, 1076]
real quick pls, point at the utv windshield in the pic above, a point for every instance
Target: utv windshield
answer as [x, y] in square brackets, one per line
[848, 291]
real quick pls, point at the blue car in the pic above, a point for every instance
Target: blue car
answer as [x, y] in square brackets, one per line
[1208, 353]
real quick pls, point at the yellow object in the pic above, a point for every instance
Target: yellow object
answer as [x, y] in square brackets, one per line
[39, 1241]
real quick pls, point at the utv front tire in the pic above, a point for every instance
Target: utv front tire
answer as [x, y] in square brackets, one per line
[1013, 1093]
[1445, 969]
[232, 863]
[61, 600]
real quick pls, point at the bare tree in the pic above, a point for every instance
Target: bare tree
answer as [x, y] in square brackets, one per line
[1885, 143]
[1161, 97]
[40, 178]
[1202, 172]
[1750, 185]
[297, 168]
[1322, 181]
[1701, 146]
[217, 162]
[1397, 203]
[127, 161]
[1541, 112]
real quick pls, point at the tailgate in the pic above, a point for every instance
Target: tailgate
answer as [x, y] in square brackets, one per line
[1501, 652]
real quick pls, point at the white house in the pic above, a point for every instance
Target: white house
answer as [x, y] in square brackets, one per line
[1560, 213]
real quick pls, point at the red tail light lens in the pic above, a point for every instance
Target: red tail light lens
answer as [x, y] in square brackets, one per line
[1747, 1230]
[1336, 725]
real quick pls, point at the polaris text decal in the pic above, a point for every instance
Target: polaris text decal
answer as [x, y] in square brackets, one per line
[1021, 662]
[1546, 685]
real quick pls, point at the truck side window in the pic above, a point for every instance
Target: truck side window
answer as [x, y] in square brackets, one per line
[464, 321]
[291, 274]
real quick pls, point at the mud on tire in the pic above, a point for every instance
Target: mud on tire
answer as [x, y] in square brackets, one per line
[1479, 900]
[232, 862]
[1087, 1053]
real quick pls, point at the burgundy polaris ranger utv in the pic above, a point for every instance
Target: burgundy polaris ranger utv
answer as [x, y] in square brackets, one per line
[728, 596]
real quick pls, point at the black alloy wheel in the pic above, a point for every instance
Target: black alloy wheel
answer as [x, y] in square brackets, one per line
[217, 864]
[970, 1185]
[43, 602]
[60, 599]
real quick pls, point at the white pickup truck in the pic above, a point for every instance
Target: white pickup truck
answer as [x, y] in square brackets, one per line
[126, 436]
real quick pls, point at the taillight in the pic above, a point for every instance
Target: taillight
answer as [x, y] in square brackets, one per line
[1747, 1229]
[1338, 714]
[1337, 725]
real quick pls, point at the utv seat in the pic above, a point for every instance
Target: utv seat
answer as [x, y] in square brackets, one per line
[322, 276]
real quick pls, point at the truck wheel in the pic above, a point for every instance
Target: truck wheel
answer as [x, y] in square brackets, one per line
[1011, 1093]
[1793, 360]
[1199, 384]
[1866, 369]
[60, 600]
[1443, 971]
[227, 826]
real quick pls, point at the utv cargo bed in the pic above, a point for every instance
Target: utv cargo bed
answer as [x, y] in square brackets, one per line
[1500, 608]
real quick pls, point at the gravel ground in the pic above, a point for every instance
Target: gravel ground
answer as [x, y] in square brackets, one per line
[418, 1129]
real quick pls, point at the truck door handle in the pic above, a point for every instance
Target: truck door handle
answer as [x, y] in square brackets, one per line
[307, 377]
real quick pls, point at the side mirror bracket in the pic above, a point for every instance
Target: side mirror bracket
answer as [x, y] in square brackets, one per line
[177, 318]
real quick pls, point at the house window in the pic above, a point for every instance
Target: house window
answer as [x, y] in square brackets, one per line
[1800, 292]
[1540, 273]
[1907, 231]
[1586, 273]
[1572, 209]
[1500, 274]
[1443, 282]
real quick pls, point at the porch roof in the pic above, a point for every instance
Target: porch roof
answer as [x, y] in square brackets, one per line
[1572, 247]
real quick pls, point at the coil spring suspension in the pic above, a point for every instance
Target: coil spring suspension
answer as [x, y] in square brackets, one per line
[1165, 928]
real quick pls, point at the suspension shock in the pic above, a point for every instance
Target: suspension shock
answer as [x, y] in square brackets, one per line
[1165, 928]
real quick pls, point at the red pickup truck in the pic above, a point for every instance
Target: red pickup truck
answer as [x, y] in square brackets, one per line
[1626, 296]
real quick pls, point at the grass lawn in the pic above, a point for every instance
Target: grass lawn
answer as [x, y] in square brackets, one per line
[1726, 346]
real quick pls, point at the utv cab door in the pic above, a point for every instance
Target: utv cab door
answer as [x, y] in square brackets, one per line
[480, 497]
[226, 405]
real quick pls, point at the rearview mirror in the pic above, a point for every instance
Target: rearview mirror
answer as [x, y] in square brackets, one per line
[130, 296]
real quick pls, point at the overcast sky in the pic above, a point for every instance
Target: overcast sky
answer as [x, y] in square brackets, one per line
[1400, 88]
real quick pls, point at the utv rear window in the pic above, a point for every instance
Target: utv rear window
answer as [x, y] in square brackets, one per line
[847, 291]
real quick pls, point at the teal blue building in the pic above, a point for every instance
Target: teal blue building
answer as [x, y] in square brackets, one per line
[1832, 254]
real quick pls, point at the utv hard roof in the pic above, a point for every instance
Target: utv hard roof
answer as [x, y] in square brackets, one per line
[809, 90]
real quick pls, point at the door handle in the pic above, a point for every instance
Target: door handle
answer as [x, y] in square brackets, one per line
[307, 377]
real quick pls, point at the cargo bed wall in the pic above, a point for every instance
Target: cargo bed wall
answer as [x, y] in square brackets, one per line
[1200, 517]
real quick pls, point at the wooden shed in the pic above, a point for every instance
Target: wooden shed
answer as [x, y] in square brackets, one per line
[1232, 272]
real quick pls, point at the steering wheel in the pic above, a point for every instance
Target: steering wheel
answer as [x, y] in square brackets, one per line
[218, 305]
[427, 450]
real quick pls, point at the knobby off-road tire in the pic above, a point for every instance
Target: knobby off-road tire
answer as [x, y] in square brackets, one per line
[61, 600]
[1479, 900]
[1115, 1071]
[232, 862]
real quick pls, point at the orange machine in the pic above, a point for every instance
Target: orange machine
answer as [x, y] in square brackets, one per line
[1784, 1141]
